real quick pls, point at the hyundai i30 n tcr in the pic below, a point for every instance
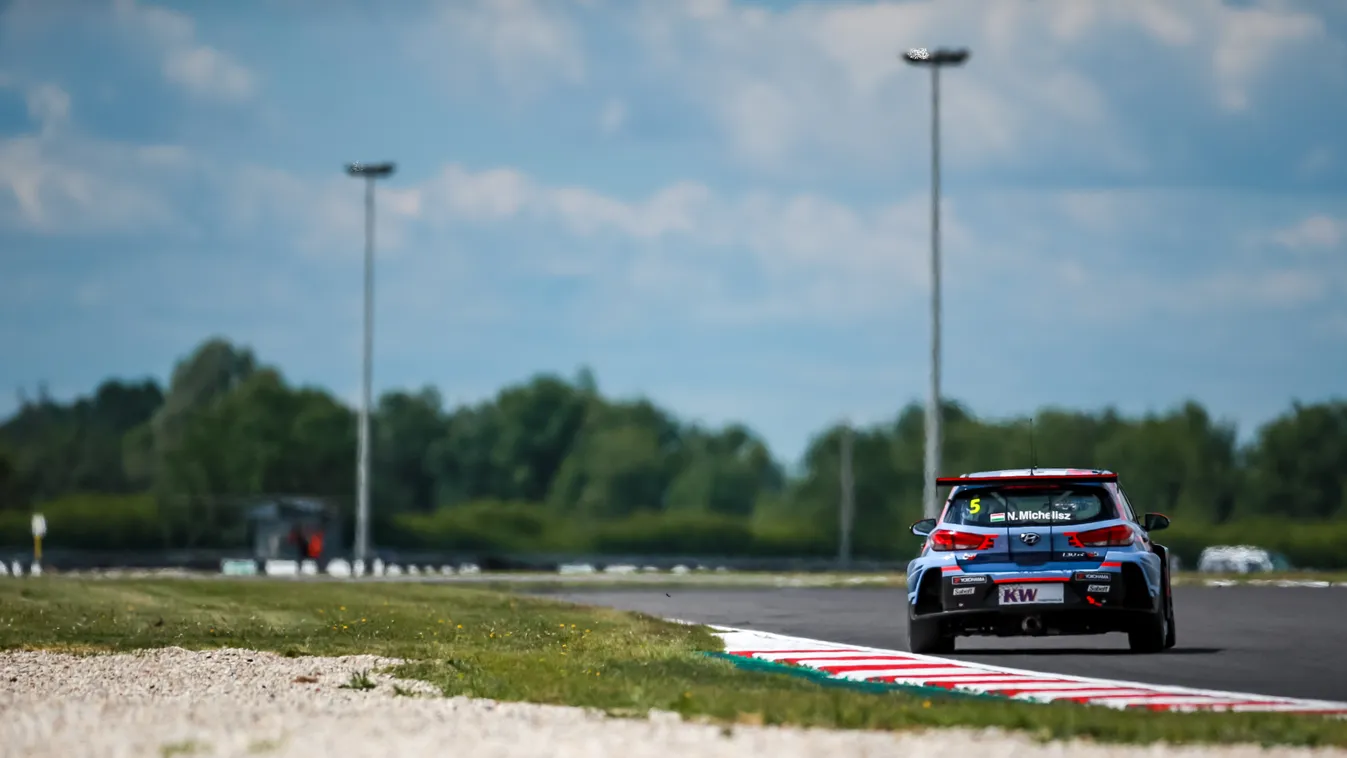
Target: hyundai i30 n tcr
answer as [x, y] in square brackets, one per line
[1039, 552]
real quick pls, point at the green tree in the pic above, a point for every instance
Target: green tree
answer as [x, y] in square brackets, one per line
[513, 447]
[407, 427]
[1297, 466]
[62, 448]
[725, 472]
[1180, 463]
[199, 382]
[622, 462]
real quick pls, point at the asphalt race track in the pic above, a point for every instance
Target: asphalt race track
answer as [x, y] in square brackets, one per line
[1288, 641]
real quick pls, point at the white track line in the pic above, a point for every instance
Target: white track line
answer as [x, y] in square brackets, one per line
[859, 663]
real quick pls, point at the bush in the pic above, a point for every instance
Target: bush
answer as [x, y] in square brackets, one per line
[792, 539]
[89, 522]
[678, 533]
[487, 525]
[1315, 545]
[135, 522]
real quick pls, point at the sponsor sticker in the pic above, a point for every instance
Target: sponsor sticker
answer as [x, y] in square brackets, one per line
[1086, 576]
[970, 580]
[965, 590]
[1031, 594]
[1097, 588]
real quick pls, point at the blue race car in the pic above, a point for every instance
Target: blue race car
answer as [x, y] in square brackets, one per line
[1039, 551]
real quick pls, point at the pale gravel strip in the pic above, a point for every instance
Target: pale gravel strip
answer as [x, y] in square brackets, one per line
[242, 703]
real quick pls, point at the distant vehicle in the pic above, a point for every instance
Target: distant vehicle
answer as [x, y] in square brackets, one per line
[1039, 552]
[1240, 559]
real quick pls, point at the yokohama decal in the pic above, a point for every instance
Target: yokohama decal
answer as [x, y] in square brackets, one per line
[877, 665]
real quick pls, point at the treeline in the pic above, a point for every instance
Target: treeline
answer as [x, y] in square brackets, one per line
[553, 465]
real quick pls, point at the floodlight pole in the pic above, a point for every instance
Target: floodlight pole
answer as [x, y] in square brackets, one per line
[934, 59]
[369, 172]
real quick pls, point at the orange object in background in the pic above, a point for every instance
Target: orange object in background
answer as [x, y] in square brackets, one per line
[315, 546]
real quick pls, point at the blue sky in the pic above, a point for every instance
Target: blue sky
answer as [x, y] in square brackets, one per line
[719, 205]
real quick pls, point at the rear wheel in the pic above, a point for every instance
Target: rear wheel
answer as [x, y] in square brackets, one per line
[924, 637]
[1171, 637]
[1151, 634]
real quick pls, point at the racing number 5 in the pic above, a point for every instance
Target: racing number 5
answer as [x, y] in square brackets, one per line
[975, 506]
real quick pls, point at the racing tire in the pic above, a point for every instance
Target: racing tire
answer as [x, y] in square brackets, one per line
[1171, 637]
[924, 638]
[1150, 634]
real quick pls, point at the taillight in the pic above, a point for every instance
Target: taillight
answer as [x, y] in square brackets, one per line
[948, 539]
[1119, 535]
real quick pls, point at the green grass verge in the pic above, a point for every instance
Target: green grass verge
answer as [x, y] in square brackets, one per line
[472, 641]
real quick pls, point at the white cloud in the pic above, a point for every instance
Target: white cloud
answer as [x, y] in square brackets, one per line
[323, 217]
[60, 182]
[1161, 257]
[198, 68]
[810, 256]
[825, 79]
[1316, 161]
[613, 117]
[49, 105]
[1248, 43]
[500, 194]
[207, 71]
[526, 44]
[1318, 231]
[77, 189]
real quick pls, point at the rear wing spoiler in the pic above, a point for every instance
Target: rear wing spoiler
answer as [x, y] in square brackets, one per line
[959, 481]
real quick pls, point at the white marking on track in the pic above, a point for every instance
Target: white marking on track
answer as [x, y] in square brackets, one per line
[858, 663]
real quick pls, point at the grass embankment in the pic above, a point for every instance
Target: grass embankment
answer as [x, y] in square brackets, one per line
[475, 642]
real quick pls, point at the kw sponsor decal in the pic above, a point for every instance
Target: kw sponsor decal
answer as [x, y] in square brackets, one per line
[1027, 594]
[869, 667]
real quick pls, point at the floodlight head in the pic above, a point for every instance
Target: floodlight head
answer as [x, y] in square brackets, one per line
[920, 56]
[375, 170]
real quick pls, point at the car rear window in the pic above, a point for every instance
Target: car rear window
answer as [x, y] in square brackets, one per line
[1038, 505]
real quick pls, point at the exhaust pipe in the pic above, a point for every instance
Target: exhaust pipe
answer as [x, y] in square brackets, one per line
[1032, 625]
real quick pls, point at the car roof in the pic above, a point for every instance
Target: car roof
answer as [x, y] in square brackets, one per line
[1038, 472]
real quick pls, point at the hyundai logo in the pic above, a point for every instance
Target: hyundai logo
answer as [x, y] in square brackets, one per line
[1029, 538]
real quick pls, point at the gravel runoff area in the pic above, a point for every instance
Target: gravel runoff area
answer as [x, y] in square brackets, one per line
[175, 702]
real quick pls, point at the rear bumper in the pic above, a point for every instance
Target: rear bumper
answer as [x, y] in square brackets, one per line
[1081, 602]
